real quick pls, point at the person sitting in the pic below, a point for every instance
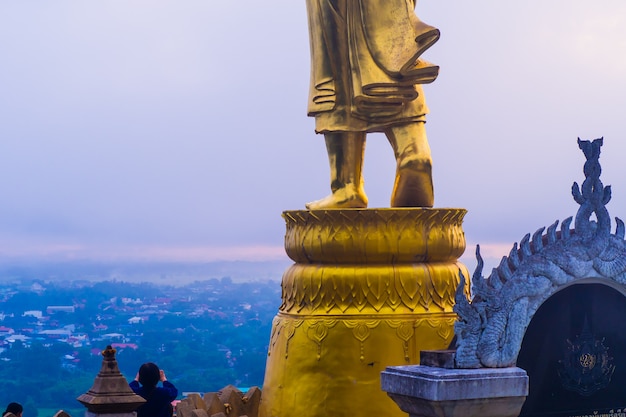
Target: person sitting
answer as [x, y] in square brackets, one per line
[13, 410]
[158, 399]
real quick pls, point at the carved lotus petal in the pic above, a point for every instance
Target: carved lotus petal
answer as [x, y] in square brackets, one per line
[328, 299]
[343, 285]
[445, 329]
[299, 298]
[315, 284]
[426, 291]
[405, 331]
[290, 329]
[318, 332]
[409, 289]
[360, 299]
[393, 297]
[361, 332]
[377, 286]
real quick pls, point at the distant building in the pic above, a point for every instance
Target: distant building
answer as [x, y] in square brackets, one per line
[56, 333]
[113, 336]
[5, 331]
[33, 313]
[60, 309]
[38, 288]
[18, 337]
[78, 340]
[135, 320]
[122, 346]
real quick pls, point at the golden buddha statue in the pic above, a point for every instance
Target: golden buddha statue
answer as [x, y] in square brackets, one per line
[366, 76]
[369, 288]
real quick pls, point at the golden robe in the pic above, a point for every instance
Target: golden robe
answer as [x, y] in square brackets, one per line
[366, 69]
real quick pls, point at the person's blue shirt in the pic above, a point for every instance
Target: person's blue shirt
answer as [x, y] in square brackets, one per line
[158, 399]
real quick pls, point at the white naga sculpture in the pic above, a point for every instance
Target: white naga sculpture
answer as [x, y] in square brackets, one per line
[491, 327]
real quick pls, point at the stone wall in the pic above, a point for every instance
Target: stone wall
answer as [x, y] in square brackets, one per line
[228, 402]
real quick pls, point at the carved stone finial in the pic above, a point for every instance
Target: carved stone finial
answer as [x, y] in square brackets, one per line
[110, 392]
[109, 353]
[594, 195]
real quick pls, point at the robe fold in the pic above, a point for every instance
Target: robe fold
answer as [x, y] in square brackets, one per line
[366, 71]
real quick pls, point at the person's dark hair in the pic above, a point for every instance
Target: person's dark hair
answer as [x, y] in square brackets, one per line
[149, 375]
[14, 408]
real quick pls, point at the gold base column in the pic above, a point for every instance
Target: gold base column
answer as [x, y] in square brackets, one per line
[370, 288]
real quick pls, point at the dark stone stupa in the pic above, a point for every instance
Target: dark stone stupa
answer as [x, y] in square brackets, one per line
[110, 393]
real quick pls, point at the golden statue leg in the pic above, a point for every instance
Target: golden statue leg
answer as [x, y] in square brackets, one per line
[345, 155]
[414, 183]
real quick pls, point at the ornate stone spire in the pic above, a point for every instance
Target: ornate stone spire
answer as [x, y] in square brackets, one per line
[491, 327]
[110, 392]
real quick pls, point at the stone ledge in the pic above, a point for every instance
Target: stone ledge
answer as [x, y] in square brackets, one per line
[439, 384]
[424, 391]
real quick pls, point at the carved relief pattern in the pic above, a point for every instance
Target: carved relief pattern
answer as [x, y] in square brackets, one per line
[317, 330]
[405, 331]
[382, 236]
[361, 331]
[491, 328]
[354, 289]
[285, 329]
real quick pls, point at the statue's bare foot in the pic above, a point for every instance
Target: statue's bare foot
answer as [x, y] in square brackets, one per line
[414, 185]
[347, 197]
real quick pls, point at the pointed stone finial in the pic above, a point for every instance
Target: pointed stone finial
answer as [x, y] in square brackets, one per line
[110, 393]
[593, 196]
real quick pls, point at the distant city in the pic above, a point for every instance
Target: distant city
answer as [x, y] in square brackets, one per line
[205, 334]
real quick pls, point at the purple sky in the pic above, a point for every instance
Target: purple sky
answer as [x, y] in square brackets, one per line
[178, 130]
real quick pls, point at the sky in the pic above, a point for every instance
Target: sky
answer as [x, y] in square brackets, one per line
[176, 130]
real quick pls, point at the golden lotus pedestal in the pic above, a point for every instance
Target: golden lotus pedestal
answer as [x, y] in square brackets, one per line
[370, 288]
